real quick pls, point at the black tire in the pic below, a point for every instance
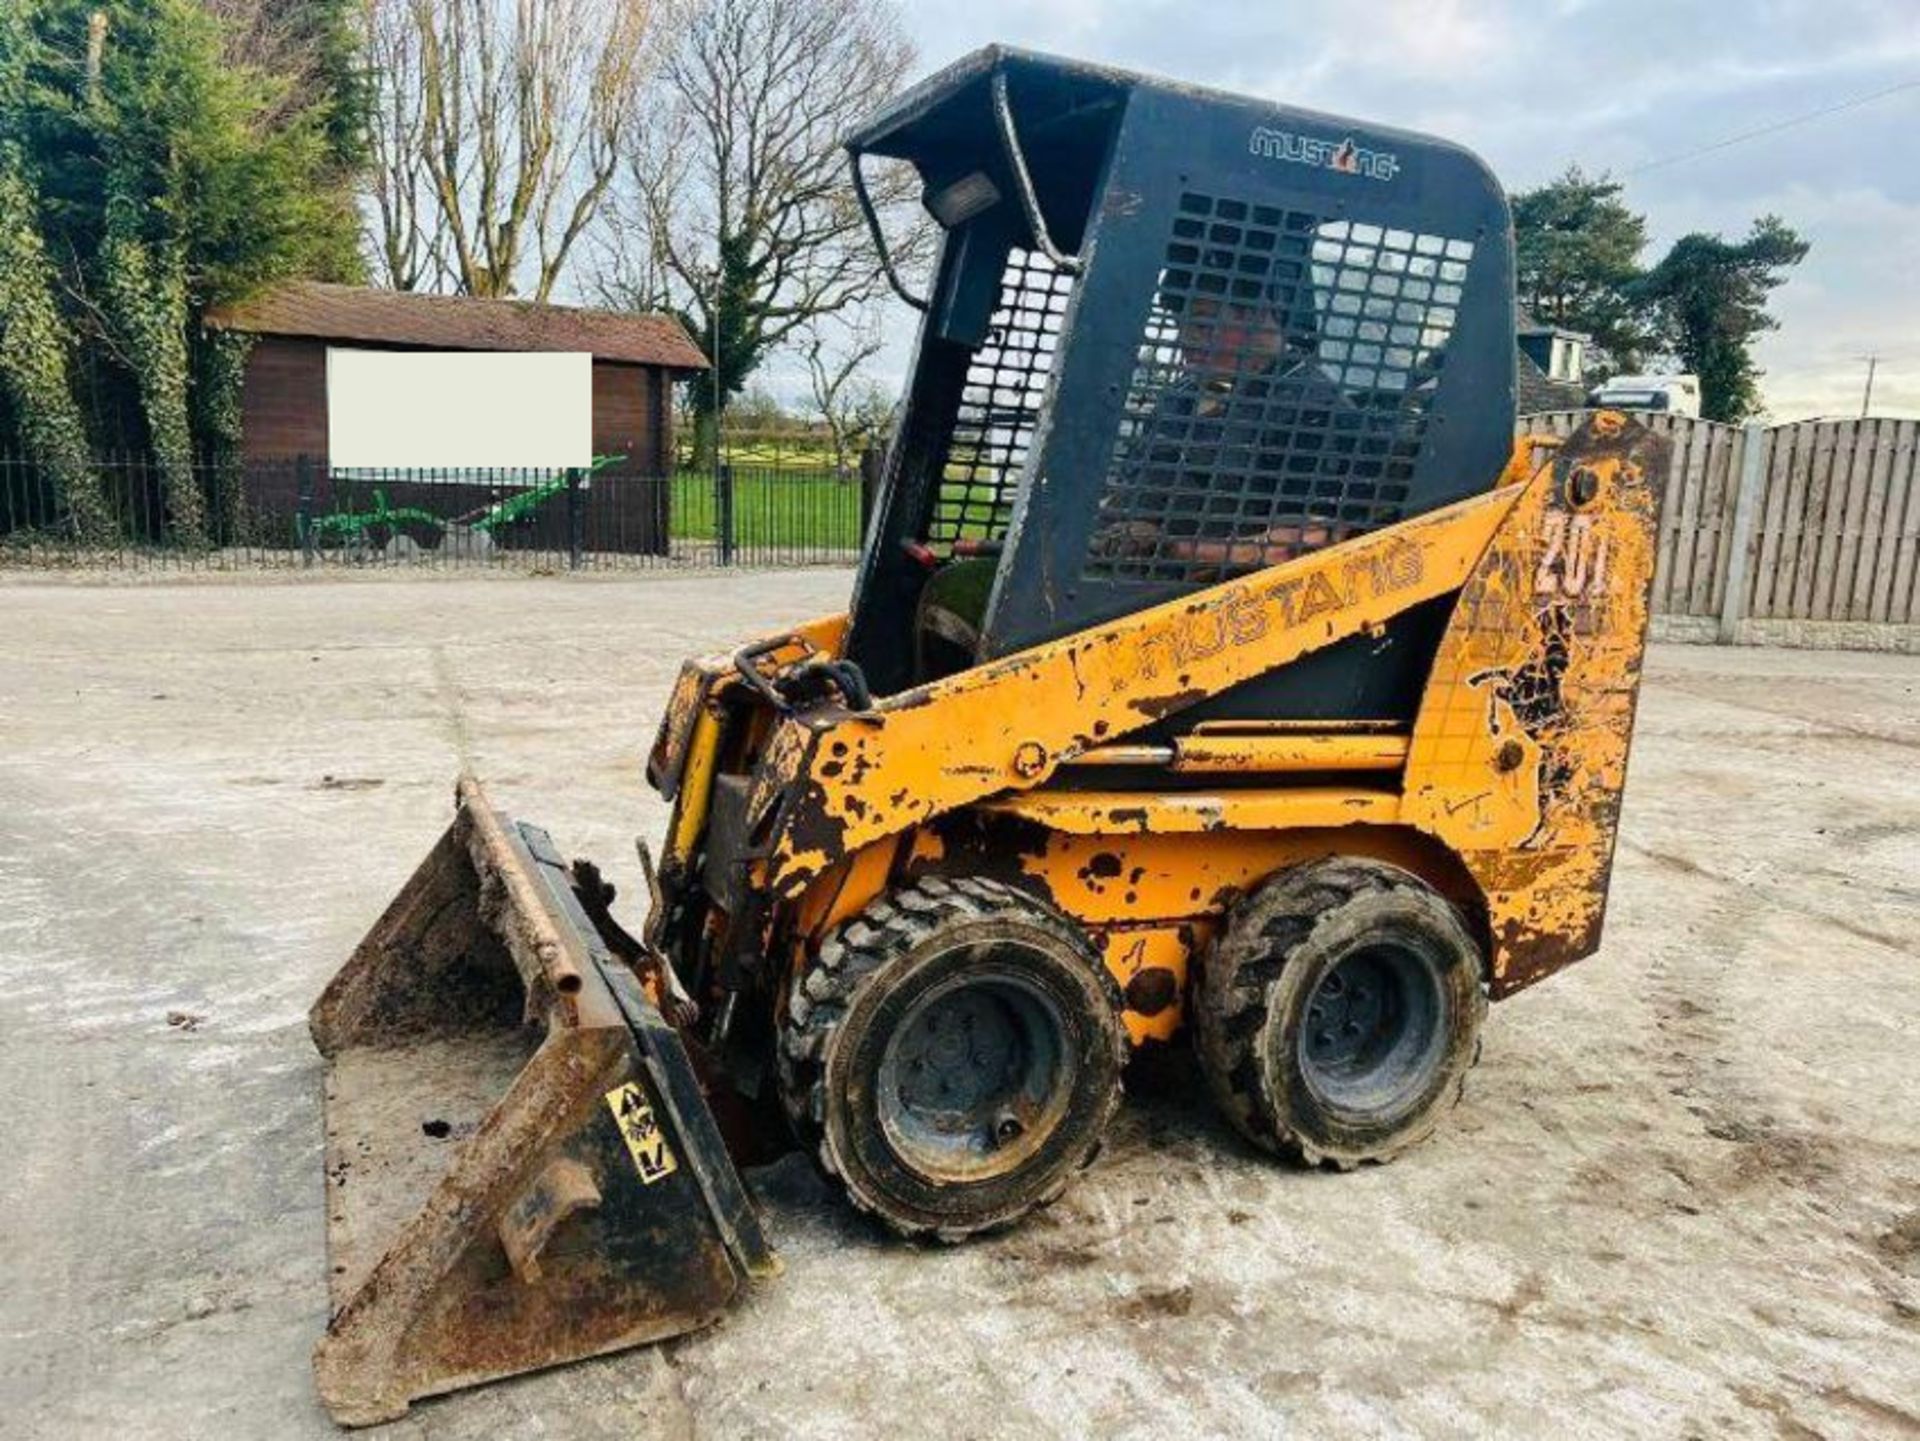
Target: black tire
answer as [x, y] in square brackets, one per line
[952, 1056]
[1339, 1014]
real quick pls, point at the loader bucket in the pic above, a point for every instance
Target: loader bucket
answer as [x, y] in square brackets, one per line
[520, 1167]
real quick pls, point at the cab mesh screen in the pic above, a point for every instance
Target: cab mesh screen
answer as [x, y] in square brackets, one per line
[1281, 393]
[1000, 402]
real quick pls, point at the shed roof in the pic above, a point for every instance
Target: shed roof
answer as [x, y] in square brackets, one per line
[1537, 391]
[460, 322]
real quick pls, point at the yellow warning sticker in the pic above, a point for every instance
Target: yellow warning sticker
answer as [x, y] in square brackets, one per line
[646, 1142]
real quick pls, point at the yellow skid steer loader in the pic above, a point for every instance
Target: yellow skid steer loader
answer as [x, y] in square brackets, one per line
[1217, 665]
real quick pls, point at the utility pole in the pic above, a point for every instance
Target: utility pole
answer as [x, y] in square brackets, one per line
[713, 278]
[722, 470]
[1867, 399]
[719, 398]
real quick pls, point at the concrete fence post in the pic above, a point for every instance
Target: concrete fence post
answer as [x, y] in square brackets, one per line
[1743, 540]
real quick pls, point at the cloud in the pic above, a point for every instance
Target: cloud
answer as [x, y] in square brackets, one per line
[1835, 315]
[1611, 86]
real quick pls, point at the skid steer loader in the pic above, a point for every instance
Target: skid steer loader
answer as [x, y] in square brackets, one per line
[1217, 664]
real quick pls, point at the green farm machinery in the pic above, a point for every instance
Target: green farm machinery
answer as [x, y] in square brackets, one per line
[397, 532]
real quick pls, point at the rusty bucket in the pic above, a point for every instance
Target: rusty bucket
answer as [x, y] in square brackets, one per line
[520, 1167]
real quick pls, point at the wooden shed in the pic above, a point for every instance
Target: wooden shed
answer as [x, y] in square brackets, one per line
[636, 359]
[285, 469]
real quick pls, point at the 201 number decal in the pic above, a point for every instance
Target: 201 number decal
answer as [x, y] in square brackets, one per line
[1574, 563]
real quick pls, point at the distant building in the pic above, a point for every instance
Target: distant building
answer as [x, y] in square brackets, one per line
[636, 359]
[286, 419]
[1551, 366]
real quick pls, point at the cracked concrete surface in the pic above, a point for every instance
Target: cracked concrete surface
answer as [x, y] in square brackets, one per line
[1682, 1197]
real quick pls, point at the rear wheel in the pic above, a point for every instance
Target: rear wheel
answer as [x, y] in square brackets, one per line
[952, 1056]
[1340, 1013]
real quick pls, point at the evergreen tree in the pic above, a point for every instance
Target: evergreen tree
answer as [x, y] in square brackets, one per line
[165, 174]
[1708, 298]
[35, 345]
[1577, 260]
[1577, 248]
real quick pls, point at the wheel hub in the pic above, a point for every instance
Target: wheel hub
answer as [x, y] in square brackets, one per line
[973, 1078]
[1372, 1028]
[1350, 1013]
[957, 1053]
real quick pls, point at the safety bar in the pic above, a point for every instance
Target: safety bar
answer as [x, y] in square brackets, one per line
[918, 302]
[1023, 182]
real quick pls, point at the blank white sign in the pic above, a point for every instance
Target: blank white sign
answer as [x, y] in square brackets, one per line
[456, 409]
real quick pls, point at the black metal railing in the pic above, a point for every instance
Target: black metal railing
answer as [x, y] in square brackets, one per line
[128, 511]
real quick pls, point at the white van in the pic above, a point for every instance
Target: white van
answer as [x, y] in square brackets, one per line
[1674, 394]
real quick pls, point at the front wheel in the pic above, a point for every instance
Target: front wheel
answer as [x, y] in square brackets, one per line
[952, 1056]
[1340, 1013]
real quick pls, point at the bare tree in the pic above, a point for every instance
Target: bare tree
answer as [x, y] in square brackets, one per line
[737, 185]
[498, 133]
[850, 403]
[408, 246]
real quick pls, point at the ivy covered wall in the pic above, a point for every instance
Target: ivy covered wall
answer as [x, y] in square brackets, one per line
[150, 167]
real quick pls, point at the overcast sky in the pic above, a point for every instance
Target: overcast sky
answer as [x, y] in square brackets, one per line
[1611, 84]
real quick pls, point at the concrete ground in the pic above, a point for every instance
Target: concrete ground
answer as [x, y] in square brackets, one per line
[1682, 1198]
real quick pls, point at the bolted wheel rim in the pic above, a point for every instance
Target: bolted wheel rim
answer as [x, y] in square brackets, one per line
[974, 1078]
[1373, 1031]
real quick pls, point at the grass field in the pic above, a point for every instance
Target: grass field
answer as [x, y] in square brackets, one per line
[788, 508]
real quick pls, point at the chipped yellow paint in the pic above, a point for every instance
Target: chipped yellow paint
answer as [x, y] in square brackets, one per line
[1276, 755]
[1520, 749]
[1161, 955]
[1265, 754]
[1529, 453]
[1504, 796]
[704, 677]
[695, 793]
[1185, 812]
[852, 779]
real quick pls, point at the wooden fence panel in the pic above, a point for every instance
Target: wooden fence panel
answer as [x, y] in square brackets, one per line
[1667, 539]
[1797, 445]
[1872, 524]
[1667, 549]
[1773, 519]
[1810, 524]
[1886, 543]
[1716, 509]
[1840, 546]
[1856, 586]
[1876, 459]
[1737, 462]
[1690, 443]
[1903, 604]
[1829, 526]
[1746, 504]
[1793, 517]
[1832, 557]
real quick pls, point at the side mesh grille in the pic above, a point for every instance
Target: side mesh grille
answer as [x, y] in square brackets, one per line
[1000, 403]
